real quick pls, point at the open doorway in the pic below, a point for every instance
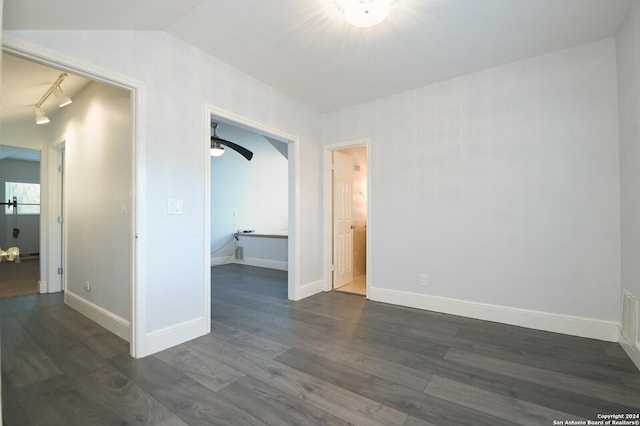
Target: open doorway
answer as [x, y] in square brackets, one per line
[89, 123]
[20, 219]
[348, 177]
[250, 200]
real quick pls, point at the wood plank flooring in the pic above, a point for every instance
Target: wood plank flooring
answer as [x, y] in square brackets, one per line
[332, 359]
[19, 279]
[357, 286]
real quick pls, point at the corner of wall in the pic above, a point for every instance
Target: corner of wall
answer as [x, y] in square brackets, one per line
[309, 289]
[632, 350]
[112, 322]
[174, 335]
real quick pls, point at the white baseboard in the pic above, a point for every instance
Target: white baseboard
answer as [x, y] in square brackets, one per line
[217, 261]
[251, 261]
[262, 263]
[632, 349]
[557, 323]
[112, 322]
[43, 286]
[168, 337]
[310, 289]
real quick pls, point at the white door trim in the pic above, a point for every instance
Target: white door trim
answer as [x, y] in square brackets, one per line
[73, 65]
[293, 275]
[328, 209]
[51, 239]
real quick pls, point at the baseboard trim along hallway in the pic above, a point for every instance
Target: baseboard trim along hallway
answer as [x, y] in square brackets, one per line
[565, 324]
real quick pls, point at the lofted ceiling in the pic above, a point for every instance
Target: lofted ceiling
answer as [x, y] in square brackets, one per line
[305, 48]
[23, 84]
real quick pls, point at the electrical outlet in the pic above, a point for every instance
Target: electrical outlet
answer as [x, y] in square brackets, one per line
[423, 280]
[87, 285]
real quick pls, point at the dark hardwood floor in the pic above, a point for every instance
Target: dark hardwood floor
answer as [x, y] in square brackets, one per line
[331, 359]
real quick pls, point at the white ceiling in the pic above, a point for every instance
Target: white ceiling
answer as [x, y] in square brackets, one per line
[25, 82]
[306, 50]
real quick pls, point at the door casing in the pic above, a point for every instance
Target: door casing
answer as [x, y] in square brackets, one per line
[328, 210]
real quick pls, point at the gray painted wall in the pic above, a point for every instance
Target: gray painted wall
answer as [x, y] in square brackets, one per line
[628, 54]
[97, 130]
[502, 185]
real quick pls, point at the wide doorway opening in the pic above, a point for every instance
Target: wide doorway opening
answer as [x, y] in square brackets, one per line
[82, 126]
[252, 207]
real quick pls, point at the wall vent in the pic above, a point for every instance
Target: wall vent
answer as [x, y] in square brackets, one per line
[239, 253]
[629, 317]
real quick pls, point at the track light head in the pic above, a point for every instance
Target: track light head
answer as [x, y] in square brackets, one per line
[41, 118]
[63, 100]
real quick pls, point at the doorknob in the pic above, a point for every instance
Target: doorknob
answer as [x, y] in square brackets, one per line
[353, 227]
[12, 254]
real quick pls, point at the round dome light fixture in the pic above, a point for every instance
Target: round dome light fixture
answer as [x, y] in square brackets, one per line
[364, 13]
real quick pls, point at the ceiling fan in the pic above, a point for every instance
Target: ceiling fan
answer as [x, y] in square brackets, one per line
[217, 149]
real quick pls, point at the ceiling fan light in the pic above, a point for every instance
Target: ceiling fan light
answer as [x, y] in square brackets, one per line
[364, 13]
[63, 100]
[216, 149]
[41, 118]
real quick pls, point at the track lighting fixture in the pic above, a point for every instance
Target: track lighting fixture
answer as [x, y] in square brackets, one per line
[56, 89]
[63, 100]
[40, 117]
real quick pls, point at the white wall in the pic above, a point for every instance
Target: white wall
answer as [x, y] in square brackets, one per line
[247, 194]
[264, 252]
[97, 132]
[628, 54]
[173, 146]
[12, 170]
[503, 187]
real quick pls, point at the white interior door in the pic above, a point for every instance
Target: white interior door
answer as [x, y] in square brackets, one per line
[342, 219]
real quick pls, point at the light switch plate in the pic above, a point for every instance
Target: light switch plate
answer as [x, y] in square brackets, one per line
[174, 206]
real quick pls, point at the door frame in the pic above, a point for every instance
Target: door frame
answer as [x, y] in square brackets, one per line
[294, 291]
[55, 254]
[137, 280]
[328, 209]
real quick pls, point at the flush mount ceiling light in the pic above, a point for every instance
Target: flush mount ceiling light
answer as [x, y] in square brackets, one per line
[56, 89]
[364, 13]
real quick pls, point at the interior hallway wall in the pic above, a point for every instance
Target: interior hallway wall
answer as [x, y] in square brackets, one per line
[177, 85]
[97, 197]
[503, 187]
[628, 54]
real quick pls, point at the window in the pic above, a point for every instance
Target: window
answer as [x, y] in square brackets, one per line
[28, 195]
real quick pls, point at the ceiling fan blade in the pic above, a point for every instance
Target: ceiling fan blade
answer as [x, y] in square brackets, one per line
[240, 150]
